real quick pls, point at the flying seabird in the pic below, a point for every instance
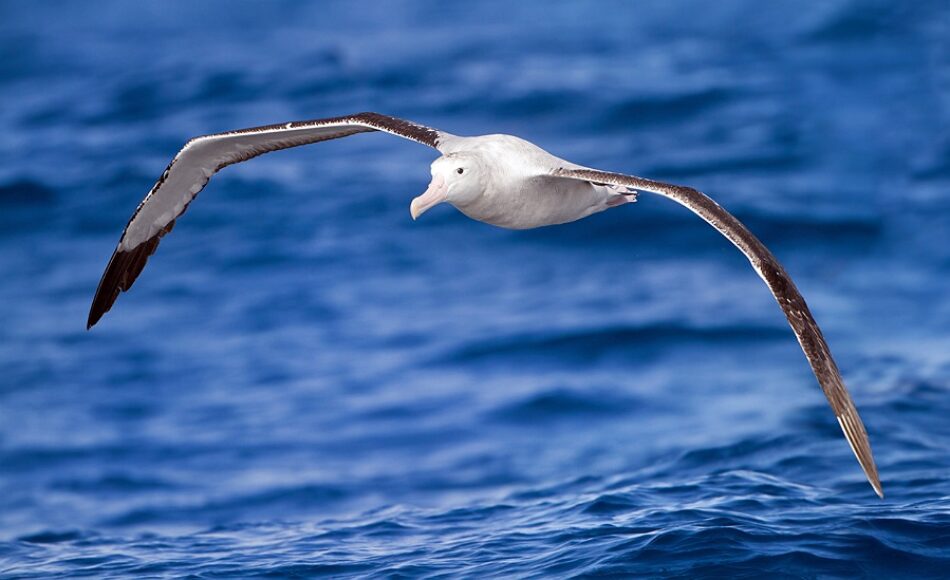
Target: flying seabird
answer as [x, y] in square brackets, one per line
[497, 179]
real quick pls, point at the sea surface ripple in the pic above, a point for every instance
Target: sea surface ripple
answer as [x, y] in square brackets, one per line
[305, 382]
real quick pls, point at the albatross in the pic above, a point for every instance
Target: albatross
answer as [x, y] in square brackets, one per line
[501, 180]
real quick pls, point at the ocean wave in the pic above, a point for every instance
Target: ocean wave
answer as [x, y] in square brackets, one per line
[622, 532]
[305, 382]
[584, 344]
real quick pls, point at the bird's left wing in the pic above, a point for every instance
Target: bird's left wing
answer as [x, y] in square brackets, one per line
[771, 271]
[202, 157]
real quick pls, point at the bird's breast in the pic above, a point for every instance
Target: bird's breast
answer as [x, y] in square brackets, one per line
[536, 202]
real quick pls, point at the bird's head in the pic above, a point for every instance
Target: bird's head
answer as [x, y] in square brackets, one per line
[456, 178]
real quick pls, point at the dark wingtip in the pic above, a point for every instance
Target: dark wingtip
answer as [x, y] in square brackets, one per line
[95, 314]
[857, 438]
[124, 267]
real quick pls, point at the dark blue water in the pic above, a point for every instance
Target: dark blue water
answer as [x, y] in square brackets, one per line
[306, 382]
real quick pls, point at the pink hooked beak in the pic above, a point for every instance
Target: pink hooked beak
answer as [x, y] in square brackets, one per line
[434, 195]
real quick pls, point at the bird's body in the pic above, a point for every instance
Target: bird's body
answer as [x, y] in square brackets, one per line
[519, 191]
[502, 180]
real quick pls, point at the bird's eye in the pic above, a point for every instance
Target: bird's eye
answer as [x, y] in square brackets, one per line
[459, 171]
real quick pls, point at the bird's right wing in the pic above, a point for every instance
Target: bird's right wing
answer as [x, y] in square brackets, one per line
[202, 157]
[783, 289]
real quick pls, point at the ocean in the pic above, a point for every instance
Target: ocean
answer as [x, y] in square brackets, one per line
[304, 382]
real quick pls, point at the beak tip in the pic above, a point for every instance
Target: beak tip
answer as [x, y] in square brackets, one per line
[433, 195]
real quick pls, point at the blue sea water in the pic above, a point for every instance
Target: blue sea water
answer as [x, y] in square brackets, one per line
[304, 382]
